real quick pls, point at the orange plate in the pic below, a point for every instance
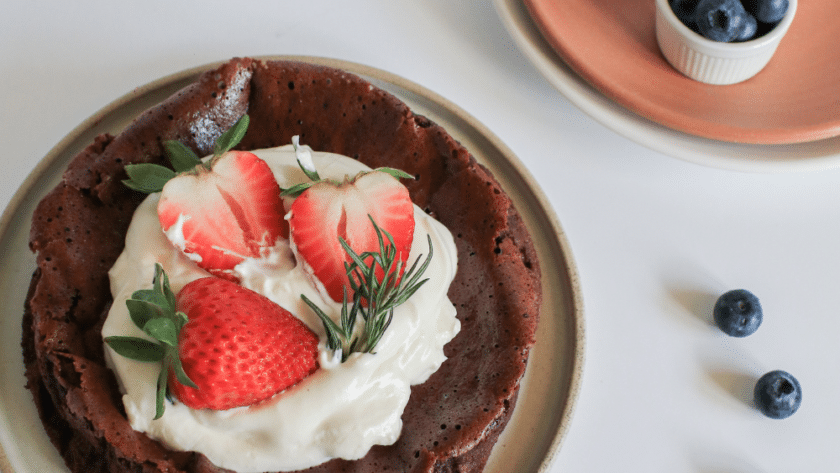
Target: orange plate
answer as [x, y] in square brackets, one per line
[612, 45]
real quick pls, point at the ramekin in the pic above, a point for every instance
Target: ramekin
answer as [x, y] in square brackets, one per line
[714, 62]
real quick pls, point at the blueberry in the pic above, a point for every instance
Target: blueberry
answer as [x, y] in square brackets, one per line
[720, 20]
[778, 394]
[767, 11]
[749, 29]
[684, 9]
[738, 313]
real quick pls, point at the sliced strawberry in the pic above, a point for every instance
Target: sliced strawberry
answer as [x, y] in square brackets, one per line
[238, 347]
[227, 213]
[328, 210]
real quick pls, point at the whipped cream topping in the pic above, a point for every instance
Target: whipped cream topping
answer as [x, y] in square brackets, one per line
[340, 411]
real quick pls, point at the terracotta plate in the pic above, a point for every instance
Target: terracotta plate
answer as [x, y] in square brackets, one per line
[612, 45]
[552, 381]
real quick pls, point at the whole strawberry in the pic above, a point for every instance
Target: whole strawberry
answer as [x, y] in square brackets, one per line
[218, 212]
[238, 347]
[221, 345]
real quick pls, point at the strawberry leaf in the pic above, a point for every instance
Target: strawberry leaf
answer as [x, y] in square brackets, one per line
[150, 178]
[161, 286]
[135, 348]
[153, 311]
[162, 329]
[396, 173]
[182, 158]
[297, 189]
[232, 136]
[142, 311]
[180, 320]
[304, 160]
[151, 296]
[160, 396]
[146, 177]
[180, 374]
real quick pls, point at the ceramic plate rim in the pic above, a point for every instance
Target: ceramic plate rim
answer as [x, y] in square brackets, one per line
[742, 157]
[549, 18]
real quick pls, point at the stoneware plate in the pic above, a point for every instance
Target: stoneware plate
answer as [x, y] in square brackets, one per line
[751, 157]
[612, 44]
[552, 381]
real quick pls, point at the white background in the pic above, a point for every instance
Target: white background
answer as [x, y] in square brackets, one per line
[655, 239]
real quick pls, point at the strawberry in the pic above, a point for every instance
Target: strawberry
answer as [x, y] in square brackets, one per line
[327, 211]
[238, 347]
[228, 211]
[218, 212]
[220, 345]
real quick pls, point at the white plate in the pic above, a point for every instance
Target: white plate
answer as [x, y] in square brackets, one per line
[552, 380]
[815, 155]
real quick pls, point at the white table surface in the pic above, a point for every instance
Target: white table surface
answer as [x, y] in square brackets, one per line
[655, 239]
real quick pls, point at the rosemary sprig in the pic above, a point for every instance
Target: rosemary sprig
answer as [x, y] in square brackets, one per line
[377, 290]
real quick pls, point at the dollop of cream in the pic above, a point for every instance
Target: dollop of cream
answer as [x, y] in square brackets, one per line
[340, 411]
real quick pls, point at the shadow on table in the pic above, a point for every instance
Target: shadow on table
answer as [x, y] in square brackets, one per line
[739, 384]
[698, 303]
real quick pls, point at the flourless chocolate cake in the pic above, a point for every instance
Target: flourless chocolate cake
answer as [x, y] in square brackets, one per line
[452, 420]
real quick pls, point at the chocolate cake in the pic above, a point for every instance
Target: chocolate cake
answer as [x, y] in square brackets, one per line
[452, 420]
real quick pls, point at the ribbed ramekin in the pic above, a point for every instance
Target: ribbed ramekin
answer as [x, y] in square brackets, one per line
[714, 62]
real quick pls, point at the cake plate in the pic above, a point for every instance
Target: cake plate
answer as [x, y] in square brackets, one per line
[552, 380]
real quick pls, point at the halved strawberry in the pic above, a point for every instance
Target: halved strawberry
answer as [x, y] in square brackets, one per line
[223, 213]
[238, 347]
[329, 210]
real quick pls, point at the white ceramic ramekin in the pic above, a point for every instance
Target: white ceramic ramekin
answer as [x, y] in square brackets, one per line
[710, 61]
